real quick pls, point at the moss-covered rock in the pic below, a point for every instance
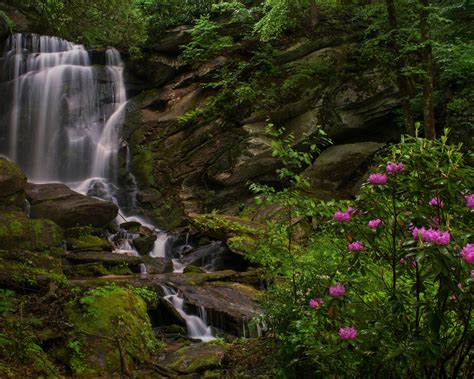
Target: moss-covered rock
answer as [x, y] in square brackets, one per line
[26, 270]
[12, 179]
[191, 269]
[112, 332]
[88, 243]
[195, 358]
[144, 244]
[19, 232]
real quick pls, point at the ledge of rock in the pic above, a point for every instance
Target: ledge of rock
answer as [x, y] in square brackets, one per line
[68, 208]
[12, 185]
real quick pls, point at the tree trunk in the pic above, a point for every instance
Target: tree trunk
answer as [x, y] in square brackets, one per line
[427, 61]
[403, 82]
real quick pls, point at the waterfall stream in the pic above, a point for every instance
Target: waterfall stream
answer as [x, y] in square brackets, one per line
[61, 121]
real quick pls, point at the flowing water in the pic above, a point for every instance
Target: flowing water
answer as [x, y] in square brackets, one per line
[60, 120]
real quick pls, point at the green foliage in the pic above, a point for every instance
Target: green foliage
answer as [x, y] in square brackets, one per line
[97, 23]
[410, 301]
[207, 43]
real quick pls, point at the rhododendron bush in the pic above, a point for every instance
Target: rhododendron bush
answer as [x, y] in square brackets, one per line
[384, 285]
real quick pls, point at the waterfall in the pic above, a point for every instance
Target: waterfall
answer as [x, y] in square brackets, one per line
[63, 119]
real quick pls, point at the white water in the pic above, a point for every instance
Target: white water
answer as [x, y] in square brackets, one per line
[196, 326]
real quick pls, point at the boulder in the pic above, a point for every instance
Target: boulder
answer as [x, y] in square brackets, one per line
[113, 330]
[337, 171]
[12, 186]
[172, 39]
[19, 232]
[68, 208]
[107, 259]
[195, 358]
[158, 265]
[144, 244]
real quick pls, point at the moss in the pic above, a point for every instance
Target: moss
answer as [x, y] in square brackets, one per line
[80, 231]
[19, 232]
[196, 358]
[142, 164]
[122, 269]
[87, 270]
[193, 270]
[169, 214]
[29, 270]
[108, 320]
[89, 242]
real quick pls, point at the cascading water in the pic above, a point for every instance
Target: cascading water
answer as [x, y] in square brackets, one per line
[61, 120]
[197, 326]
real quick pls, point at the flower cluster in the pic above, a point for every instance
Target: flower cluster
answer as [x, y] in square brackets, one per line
[395, 168]
[468, 253]
[337, 290]
[355, 246]
[378, 179]
[315, 303]
[343, 216]
[374, 224]
[348, 333]
[435, 236]
[470, 200]
[436, 202]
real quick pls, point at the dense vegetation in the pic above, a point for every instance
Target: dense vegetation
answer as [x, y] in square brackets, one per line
[380, 286]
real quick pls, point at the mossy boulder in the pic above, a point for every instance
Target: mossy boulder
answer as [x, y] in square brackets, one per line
[196, 358]
[112, 332]
[12, 186]
[88, 243]
[19, 232]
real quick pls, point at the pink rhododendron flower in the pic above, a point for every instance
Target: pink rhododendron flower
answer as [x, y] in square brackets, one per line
[468, 253]
[395, 168]
[435, 236]
[374, 224]
[315, 303]
[436, 202]
[342, 216]
[472, 273]
[355, 246]
[337, 290]
[378, 179]
[436, 220]
[470, 200]
[348, 333]
[402, 261]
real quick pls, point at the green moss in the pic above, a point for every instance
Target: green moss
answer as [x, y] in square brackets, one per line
[19, 232]
[169, 214]
[89, 242]
[142, 164]
[121, 269]
[108, 320]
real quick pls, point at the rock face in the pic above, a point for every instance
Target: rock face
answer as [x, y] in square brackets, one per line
[337, 171]
[68, 208]
[188, 165]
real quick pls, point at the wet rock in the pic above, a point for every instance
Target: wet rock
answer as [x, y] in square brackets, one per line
[337, 171]
[158, 265]
[144, 244]
[68, 208]
[17, 231]
[195, 358]
[88, 243]
[229, 306]
[193, 270]
[215, 257]
[166, 315]
[86, 270]
[131, 226]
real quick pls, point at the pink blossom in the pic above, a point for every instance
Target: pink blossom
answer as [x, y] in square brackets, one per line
[355, 246]
[337, 290]
[315, 303]
[413, 264]
[395, 168]
[374, 224]
[472, 273]
[348, 333]
[378, 179]
[468, 253]
[470, 200]
[342, 216]
[435, 236]
[436, 202]
[402, 261]
[436, 220]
